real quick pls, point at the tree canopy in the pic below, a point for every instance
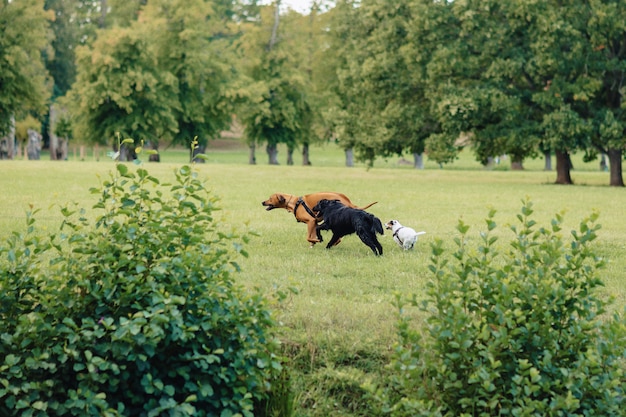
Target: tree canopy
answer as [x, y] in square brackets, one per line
[382, 77]
[24, 82]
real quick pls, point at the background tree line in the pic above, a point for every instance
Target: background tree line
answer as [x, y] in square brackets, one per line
[379, 77]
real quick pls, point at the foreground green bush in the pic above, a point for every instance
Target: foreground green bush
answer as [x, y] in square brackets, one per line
[136, 314]
[517, 333]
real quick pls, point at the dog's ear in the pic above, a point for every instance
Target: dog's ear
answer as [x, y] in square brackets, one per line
[281, 199]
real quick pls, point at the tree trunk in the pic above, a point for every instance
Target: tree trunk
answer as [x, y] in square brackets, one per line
[349, 157]
[4, 148]
[272, 154]
[127, 153]
[603, 164]
[7, 143]
[289, 155]
[516, 164]
[418, 159]
[274, 37]
[55, 144]
[615, 167]
[563, 168]
[33, 148]
[306, 161]
[53, 147]
[251, 154]
[547, 158]
[103, 14]
[154, 145]
[65, 149]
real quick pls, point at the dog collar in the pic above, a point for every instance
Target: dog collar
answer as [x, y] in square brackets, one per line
[299, 203]
[395, 234]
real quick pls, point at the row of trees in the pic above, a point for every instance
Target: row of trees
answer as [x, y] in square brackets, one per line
[520, 77]
[380, 77]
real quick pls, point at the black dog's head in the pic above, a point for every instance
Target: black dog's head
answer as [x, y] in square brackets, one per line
[323, 205]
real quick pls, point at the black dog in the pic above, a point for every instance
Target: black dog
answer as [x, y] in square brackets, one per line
[344, 220]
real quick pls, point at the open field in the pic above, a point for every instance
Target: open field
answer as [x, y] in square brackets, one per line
[341, 321]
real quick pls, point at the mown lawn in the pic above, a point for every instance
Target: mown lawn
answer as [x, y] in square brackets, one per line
[338, 319]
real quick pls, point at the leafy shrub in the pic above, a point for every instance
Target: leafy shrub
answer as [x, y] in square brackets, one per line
[135, 314]
[517, 333]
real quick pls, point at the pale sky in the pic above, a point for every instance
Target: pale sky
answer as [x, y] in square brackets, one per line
[302, 6]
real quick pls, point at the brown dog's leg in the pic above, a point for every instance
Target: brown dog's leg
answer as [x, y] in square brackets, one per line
[312, 229]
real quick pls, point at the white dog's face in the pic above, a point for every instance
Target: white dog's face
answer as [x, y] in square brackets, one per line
[391, 223]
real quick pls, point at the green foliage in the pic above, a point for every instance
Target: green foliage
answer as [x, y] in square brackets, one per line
[187, 39]
[517, 332]
[165, 77]
[380, 82]
[61, 63]
[24, 28]
[278, 109]
[120, 88]
[63, 127]
[520, 77]
[135, 313]
[441, 148]
[22, 127]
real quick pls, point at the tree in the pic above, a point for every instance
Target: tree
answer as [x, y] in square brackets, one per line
[477, 84]
[403, 70]
[121, 90]
[191, 43]
[561, 62]
[334, 99]
[74, 24]
[517, 76]
[278, 109]
[381, 81]
[24, 87]
[61, 63]
[308, 40]
[606, 31]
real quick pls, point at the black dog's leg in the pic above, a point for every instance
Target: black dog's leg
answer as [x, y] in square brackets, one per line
[370, 240]
[318, 232]
[319, 228]
[333, 241]
[378, 245]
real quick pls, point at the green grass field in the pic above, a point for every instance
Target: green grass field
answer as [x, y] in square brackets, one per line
[341, 321]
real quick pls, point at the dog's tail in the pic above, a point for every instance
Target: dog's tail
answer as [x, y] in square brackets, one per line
[368, 206]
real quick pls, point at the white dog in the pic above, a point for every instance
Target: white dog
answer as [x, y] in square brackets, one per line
[404, 236]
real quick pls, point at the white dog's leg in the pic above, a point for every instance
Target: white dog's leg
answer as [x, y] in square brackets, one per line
[409, 243]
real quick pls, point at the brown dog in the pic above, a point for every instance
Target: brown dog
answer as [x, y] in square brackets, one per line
[301, 208]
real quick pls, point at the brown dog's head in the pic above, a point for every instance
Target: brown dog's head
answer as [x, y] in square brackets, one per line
[276, 200]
